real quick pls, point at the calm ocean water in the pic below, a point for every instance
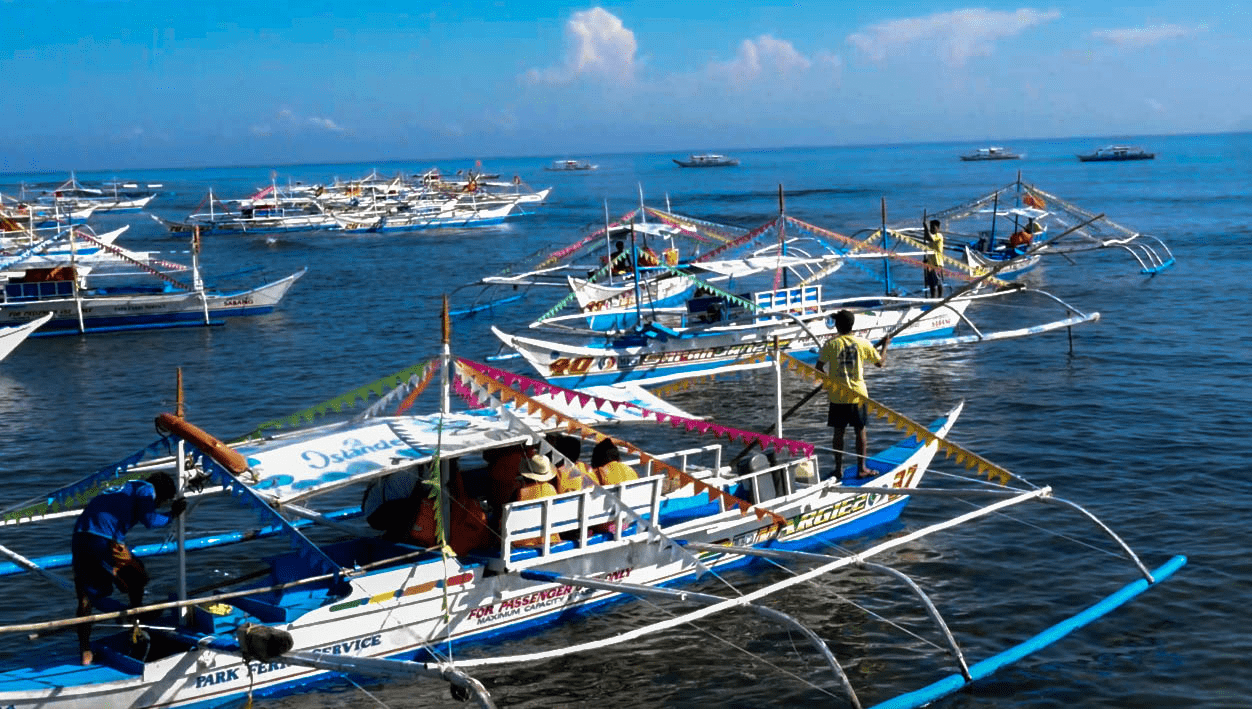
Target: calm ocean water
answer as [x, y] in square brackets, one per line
[1144, 423]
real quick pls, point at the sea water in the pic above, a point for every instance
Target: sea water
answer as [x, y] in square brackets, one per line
[1142, 417]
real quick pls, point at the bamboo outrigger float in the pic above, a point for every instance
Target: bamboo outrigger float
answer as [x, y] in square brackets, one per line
[386, 608]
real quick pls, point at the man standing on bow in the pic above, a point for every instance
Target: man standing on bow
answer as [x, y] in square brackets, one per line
[845, 353]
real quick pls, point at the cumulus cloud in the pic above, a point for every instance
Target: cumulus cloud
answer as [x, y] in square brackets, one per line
[324, 124]
[769, 57]
[957, 35]
[287, 121]
[598, 45]
[1138, 37]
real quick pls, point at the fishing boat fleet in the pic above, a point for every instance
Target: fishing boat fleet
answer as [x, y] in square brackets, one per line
[427, 545]
[429, 200]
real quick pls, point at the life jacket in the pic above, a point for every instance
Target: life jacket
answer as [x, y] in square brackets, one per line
[467, 527]
[534, 490]
[573, 478]
[424, 532]
[1021, 238]
[612, 473]
[615, 472]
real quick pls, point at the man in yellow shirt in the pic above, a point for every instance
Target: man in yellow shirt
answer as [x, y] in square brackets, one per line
[845, 353]
[934, 241]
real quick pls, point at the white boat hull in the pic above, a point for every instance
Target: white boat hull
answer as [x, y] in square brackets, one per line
[573, 366]
[145, 311]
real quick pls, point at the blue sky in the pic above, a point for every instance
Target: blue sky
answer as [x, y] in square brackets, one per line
[114, 85]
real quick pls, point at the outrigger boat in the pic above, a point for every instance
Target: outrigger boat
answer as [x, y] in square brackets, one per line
[1015, 226]
[60, 286]
[73, 195]
[723, 332]
[368, 606]
[368, 205]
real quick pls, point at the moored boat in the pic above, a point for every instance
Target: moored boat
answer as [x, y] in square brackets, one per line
[990, 153]
[376, 606]
[1117, 153]
[571, 166]
[707, 160]
[74, 195]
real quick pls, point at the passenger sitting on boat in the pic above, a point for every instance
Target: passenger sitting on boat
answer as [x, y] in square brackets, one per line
[100, 557]
[386, 503]
[1020, 240]
[572, 476]
[535, 483]
[606, 463]
[468, 529]
[503, 465]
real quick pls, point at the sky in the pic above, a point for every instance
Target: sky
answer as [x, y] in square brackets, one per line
[109, 84]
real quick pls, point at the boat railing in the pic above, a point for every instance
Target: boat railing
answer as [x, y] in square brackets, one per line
[769, 483]
[581, 518]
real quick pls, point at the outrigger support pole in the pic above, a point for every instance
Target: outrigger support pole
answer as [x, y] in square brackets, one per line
[703, 599]
[783, 555]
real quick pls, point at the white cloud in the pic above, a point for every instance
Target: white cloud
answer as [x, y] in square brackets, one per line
[764, 54]
[957, 35]
[287, 121]
[767, 56]
[597, 44]
[325, 124]
[1137, 37]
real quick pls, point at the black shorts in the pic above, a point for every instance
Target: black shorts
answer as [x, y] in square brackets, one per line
[844, 415]
[100, 564]
[932, 278]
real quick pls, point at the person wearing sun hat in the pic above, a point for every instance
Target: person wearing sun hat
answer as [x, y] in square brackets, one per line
[534, 477]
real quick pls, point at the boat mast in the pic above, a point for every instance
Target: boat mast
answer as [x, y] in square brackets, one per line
[78, 297]
[608, 247]
[995, 208]
[634, 257]
[197, 283]
[782, 232]
[445, 407]
[181, 521]
[1018, 201]
[886, 263]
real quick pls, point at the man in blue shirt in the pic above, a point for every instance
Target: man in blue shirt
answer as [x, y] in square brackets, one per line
[100, 557]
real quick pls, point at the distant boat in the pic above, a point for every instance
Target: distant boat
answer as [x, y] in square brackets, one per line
[707, 160]
[570, 166]
[1113, 153]
[990, 153]
[73, 195]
